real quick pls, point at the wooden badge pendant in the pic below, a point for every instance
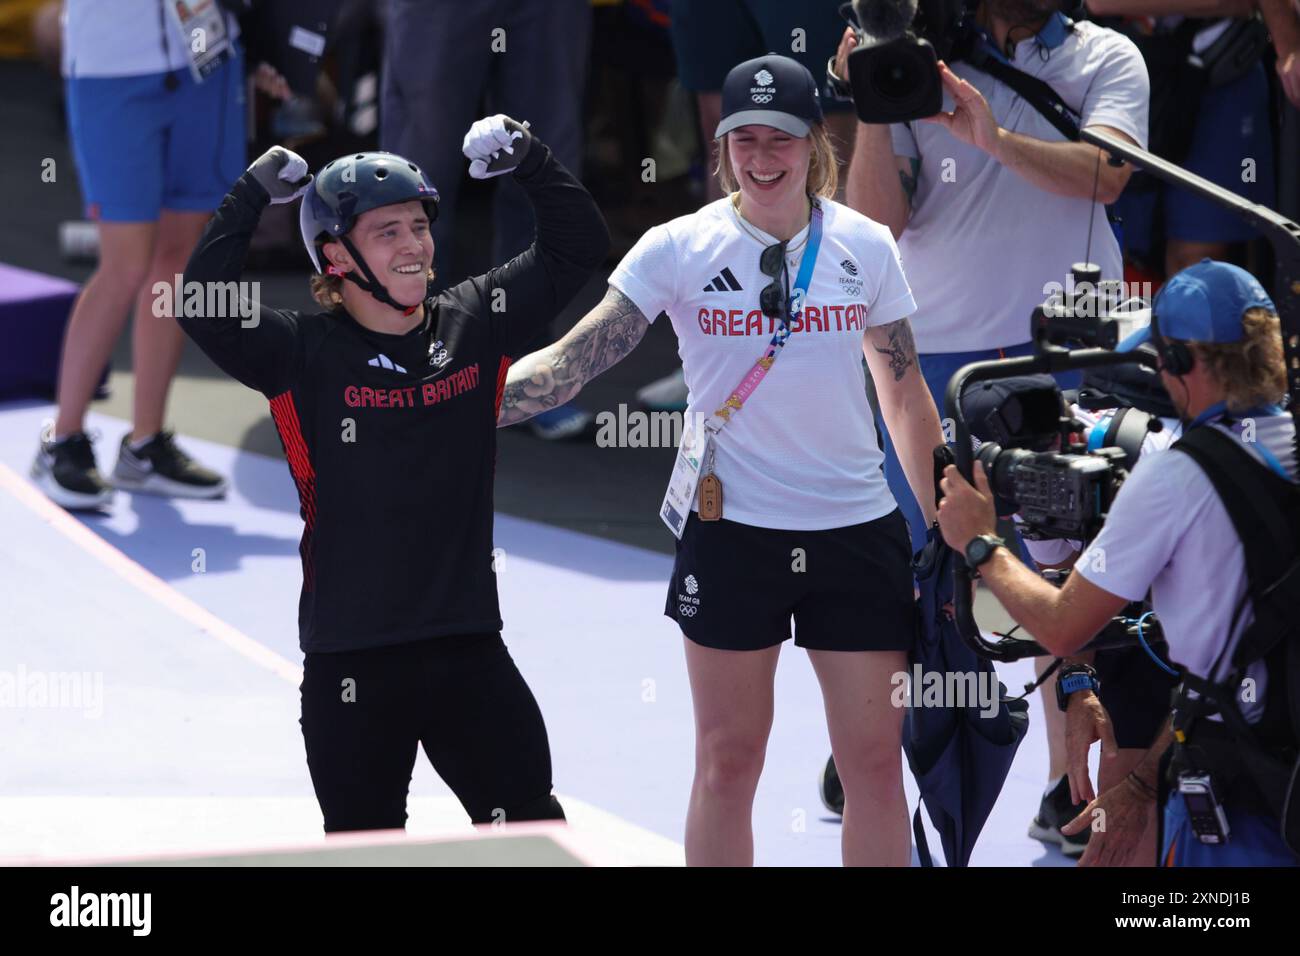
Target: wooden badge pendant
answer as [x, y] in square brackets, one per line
[710, 498]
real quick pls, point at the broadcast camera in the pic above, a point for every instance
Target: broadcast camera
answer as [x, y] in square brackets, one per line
[1283, 236]
[1059, 474]
[894, 71]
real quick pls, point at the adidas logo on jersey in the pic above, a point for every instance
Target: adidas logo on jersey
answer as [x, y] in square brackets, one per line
[723, 282]
[383, 361]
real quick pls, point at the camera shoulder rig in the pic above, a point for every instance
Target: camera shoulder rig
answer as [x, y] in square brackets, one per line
[1259, 765]
[1037, 93]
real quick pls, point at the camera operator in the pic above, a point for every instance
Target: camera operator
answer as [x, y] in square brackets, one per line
[1118, 697]
[1167, 531]
[988, 201]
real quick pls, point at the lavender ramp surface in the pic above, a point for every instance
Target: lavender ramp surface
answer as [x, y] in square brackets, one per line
[184, 716]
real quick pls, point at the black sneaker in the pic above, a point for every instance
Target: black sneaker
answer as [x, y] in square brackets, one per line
[1053, 813]
[161, 468]
[832, 791]
[65, 470]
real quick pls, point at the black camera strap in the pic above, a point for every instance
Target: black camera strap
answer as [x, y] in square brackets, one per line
[1037, 93]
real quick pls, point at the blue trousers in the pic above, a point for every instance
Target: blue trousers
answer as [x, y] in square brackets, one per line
[1252, 841]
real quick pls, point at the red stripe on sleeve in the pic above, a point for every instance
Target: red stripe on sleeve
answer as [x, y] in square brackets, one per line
[287, 424]
[501, 382]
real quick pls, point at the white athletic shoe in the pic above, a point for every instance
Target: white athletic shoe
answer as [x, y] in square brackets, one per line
[161, 468]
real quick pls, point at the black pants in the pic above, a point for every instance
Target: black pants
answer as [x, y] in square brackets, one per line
[461, 697]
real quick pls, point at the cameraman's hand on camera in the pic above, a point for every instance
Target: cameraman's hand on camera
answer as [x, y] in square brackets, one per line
[971, 120]
[496, 145]
[848, 43]
[1122, 816]
[282, 173]
[1086, 720]
[1288, 72]
[965, 511]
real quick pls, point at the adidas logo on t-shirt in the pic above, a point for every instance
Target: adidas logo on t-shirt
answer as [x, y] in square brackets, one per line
[383, 361]
[723, 282]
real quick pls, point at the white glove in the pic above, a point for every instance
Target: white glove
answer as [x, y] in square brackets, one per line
[495, 145]
[282, 173]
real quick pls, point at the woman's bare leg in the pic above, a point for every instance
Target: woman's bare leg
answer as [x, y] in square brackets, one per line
[731, 692]
[157, 341]
[99, 315]
[866, 738]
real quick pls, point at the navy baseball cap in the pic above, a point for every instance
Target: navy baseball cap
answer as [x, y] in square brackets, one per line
[770, 90]
[1203, 303]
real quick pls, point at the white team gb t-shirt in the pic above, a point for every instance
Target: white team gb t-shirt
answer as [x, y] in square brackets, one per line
[1168, 531]
[802, 453]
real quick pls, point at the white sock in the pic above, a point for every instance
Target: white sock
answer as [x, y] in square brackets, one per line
[1052, 786]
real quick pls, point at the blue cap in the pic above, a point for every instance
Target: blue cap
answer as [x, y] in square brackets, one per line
[770, 90]
[1203, 303]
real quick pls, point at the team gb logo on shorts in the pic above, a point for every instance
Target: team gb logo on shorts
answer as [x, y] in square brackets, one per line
[764, 92]
[691, 584]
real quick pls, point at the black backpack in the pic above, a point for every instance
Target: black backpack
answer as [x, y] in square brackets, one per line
[1258, 765]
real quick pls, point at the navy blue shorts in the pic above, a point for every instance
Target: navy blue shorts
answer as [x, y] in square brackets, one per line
[736, 587]
[1135, 693]
[1232, 128]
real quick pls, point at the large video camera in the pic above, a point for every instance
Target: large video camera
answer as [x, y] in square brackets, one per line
[894, 71]
[1283, 237]
[1058, 473]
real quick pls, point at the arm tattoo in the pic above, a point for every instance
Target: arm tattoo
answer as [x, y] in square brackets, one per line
[553, 375]
[900, 346]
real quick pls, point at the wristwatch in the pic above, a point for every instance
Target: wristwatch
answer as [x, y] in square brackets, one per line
[980, 548]
[1071, 678]
[838, 88]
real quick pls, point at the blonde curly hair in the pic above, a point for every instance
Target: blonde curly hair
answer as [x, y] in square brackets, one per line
[1252, 371]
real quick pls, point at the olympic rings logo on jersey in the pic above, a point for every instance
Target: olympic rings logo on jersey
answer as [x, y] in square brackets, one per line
[687, 610]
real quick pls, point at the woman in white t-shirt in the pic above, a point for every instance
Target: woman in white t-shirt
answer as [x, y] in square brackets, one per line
[793, 520]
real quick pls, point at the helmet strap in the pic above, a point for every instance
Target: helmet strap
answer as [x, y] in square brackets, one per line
[371, 284]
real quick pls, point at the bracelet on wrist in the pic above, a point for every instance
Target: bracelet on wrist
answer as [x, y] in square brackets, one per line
[1141, 786]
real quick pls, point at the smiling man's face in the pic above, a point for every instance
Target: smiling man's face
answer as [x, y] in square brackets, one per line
[396, 243]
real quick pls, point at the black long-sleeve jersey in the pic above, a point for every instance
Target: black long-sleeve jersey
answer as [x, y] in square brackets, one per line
[391, 439]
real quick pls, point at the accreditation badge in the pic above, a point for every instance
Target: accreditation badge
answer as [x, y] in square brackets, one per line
[201, 26]
[682, 486]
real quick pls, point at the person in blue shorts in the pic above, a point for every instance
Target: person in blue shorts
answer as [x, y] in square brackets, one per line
[155, 151]
[1229, 140]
